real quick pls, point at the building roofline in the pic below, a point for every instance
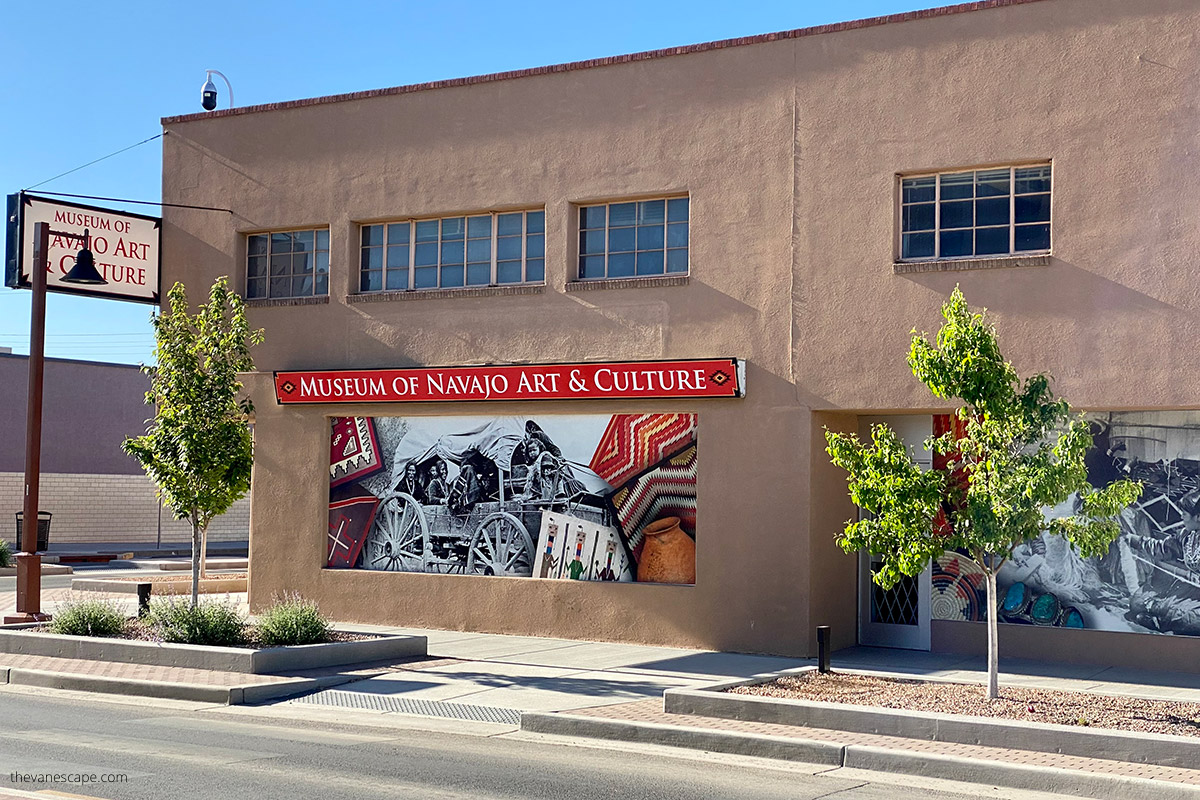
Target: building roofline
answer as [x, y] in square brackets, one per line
[571, 66]
[57, 360]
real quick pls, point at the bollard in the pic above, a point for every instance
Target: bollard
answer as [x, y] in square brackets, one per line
[823, 649]
[143, 590]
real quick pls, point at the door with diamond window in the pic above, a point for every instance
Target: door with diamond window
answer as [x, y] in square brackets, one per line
[896, 617]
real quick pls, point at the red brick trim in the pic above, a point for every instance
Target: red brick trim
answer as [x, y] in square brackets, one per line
[870, 22]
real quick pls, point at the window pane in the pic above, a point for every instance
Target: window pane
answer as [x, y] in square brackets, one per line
[918, 190]
[425, 278]
[370, 281]
[535, 246]
[321, 287]
[993, 211]
[322, 263]
[302, 286]
[677, 210]
[650, 237]
[397, 279]
[1033, 179]
[372, 258]
[257, 267]
[509, 224]
[427, 230]
[372, 235]
[622, 239]
[956, 243]
[281, 287]
[508, 248]
[591, 242]
[916, 245]
[1033, 237]
[620, 265]
[677, 235]
[397, 257]
[479, 227]
[592, 217]
[256, 287]
[677, 260]
[303, 240]
[323, 239]
[510, 271]
[452, 276]
[591, 267]
[1033, 208]
[302, 264]
[622, 214]
[917, 217]
[281, 243]
[535, 270]
[454, 228]
[960, 184]
[991, 241]
[535, 221]
[650, 263]
[452, 252]
[479, 250]
[281, 265]
[991, 183]
[651, 211]
[257, 246]
[479, 274]
[958, 214]
[397, 233]
[426, 254]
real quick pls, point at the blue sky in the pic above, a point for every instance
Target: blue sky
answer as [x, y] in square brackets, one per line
[85, 79]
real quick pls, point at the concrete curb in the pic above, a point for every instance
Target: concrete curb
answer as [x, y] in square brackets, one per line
[47, 569]
[1139, 748]
[877, 759]
[180, 587]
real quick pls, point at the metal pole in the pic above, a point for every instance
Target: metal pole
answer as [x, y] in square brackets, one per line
[823, 649]
[29, 564]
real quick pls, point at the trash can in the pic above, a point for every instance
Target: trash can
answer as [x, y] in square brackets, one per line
[43, 530]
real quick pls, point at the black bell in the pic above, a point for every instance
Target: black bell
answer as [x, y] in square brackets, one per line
[84, 270]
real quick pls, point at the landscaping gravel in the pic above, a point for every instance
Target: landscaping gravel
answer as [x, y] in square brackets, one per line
[1027, 705]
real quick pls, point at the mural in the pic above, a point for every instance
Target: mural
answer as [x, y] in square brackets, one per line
[593, 498]
[1147, 582]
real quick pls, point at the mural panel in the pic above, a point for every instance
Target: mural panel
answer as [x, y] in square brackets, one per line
[587, 497]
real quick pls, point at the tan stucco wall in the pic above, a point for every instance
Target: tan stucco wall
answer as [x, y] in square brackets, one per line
[789, 151]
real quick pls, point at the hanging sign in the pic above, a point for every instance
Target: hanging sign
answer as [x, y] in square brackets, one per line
[636, 380]
[126, 247]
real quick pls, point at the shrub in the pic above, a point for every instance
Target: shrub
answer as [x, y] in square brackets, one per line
[89, 616]
[210, 622]
[6, 556]
[292, 620]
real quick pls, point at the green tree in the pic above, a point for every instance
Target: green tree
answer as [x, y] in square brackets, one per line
[1019, 450]
[197, 449]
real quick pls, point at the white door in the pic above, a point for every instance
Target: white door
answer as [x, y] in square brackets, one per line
[897, 617]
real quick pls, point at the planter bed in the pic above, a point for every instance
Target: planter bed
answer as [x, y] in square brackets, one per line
[1117, 727]
[162, 584]
[250, 660]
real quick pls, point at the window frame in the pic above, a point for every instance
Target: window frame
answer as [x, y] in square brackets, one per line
[937, 229]
[494, 261]
[267, 277]
[580, 230]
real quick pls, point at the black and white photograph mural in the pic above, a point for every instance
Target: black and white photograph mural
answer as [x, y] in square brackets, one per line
[1147, 582]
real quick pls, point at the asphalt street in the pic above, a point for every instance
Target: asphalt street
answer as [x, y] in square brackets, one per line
[143, 750]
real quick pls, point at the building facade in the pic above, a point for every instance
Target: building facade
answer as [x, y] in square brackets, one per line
[796, 201]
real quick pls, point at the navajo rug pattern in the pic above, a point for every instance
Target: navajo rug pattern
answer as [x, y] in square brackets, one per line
[633, 442]
[353, 450]
[351, 514]
[668, 489]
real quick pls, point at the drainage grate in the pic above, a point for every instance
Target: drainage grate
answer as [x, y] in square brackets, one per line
[408, 705]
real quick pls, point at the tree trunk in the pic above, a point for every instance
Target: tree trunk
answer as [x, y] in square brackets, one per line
[204, 552]
[196, 550]
[993, 628]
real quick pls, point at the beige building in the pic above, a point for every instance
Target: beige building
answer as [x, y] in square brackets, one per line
[798, 200]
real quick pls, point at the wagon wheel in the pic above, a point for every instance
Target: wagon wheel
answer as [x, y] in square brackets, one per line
[501, 546]
[400, 538]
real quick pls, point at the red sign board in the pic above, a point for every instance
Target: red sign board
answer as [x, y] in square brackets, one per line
[638, 380]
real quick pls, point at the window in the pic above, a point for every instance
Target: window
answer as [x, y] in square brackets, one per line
[287, 264]
[454, 252]
[628, 240]
[991, 212]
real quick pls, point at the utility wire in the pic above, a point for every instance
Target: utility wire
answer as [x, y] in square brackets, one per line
[139, 202]
[97, 161]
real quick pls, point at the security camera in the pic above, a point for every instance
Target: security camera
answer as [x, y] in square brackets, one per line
[208, 95]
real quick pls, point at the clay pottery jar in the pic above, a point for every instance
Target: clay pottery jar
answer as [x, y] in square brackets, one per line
[668, 554]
